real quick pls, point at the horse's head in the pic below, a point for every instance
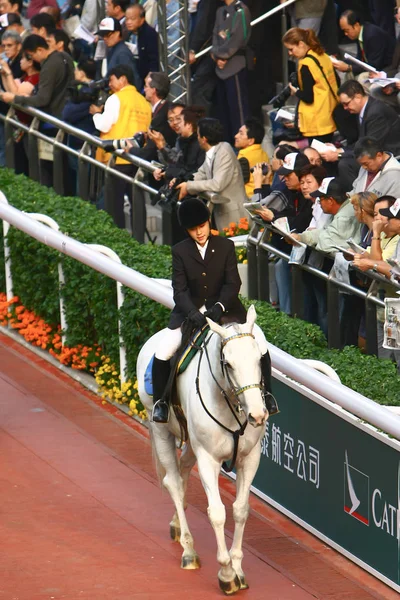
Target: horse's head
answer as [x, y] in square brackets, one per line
[241, 357]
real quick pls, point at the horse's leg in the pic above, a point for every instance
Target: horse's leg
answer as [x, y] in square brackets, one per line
[164, 443]
[186, 464]
[209, 471]
[246, 469]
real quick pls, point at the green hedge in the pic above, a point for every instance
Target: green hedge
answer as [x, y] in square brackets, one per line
[90, 297]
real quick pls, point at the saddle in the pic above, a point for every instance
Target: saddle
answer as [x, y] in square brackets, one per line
[191, 343]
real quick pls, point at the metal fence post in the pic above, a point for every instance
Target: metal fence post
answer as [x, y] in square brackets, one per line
[334, 340]
[252, 262]
[263, 270]
[60, 166]
[83, 176]
[371, 320]
[297, 292]
[138, 213]
[10, 141]
[33, 152]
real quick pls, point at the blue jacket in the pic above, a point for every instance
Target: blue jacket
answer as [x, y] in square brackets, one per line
[148, 50]
[77, 114]
[121, 55]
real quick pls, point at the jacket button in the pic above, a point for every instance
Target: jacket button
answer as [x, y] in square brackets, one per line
[205, 287]
[204, 274]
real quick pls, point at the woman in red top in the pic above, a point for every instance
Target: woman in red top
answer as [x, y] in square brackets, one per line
[25, 87]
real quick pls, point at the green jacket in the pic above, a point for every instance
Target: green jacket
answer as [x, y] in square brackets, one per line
[343, 226]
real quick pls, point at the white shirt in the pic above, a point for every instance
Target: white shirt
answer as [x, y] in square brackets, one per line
[154, 107]
[202, 249]
[105, 120]
[361, 115]
[319, 218]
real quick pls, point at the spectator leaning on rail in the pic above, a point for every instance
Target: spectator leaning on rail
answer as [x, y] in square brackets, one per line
[248, 141]
[118, 52]
[125, 113]
[144, 41]
[229, 51]
[380, 170]
[388, 222]
[220, 174]
[55, 76]
[317, 86]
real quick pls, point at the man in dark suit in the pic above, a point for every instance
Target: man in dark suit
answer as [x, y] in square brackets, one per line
[143, 39]
[156, 90]
[375, 120]
[204, 77]
[374, 45]
[206, 282]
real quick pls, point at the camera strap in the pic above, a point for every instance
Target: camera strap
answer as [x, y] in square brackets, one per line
[323, 74]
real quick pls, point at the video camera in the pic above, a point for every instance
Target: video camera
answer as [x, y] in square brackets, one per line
[95, 92]
[280, 99]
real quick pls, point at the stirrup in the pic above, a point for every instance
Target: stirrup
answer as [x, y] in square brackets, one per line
[271, 404]
[160, 413]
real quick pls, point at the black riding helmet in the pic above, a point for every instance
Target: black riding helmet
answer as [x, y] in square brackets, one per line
[193, 212]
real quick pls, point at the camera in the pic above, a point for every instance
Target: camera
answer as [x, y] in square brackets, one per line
[95, 92]
[138, 141]
[264, 169]
[167, 197]
[280, 99]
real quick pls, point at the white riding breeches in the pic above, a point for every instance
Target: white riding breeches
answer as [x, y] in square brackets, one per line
[172, 338]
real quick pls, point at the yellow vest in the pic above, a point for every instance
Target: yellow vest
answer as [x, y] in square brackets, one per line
[254, 154]
[134, 116]
[316, 118]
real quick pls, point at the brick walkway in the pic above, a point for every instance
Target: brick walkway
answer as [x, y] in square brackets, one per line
[82, 515]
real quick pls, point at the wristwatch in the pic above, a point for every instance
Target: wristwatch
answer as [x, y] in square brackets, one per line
[375, 268]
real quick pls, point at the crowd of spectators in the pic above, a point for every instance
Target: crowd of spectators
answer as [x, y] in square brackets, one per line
[332, 173]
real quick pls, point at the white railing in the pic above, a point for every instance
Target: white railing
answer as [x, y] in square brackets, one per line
[293, 368]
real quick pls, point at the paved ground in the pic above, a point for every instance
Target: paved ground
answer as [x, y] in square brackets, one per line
[82, 515]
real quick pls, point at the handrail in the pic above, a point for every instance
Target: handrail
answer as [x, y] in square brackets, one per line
[294, 368]
[263, 17]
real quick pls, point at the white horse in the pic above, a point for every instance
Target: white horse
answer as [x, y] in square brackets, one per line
[228, 364]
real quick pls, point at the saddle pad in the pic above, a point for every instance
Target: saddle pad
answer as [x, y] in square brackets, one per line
[192, 348]
[148, 377]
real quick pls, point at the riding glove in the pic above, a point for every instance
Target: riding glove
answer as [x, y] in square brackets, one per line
[214, 313]
[197, 318]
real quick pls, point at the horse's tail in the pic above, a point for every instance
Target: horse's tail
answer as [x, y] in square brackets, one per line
[161, 472]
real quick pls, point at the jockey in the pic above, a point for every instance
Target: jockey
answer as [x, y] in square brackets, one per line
[206, 283]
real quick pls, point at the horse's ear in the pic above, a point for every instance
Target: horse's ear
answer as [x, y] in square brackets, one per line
[251, 316]
[217, 328]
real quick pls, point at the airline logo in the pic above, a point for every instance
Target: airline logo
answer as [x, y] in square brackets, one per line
[356, 493]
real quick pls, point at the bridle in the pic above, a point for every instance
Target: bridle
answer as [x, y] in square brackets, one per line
[235, 391]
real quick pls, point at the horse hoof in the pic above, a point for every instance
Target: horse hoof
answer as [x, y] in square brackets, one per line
[175, 533]
[243, 583]
[230, 587]
[190, 562]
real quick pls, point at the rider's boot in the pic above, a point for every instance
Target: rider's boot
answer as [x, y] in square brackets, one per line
[160, 372]
[270, 402]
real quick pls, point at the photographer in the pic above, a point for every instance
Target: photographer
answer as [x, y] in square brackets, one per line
[77, 113]
[248, 141]
[181, 162]
[186, 157]
[317, 86]
[125, 113]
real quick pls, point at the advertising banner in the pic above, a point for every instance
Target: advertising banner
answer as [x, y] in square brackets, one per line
[338, 476]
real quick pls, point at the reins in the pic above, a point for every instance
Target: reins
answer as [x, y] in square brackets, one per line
[242, 426]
